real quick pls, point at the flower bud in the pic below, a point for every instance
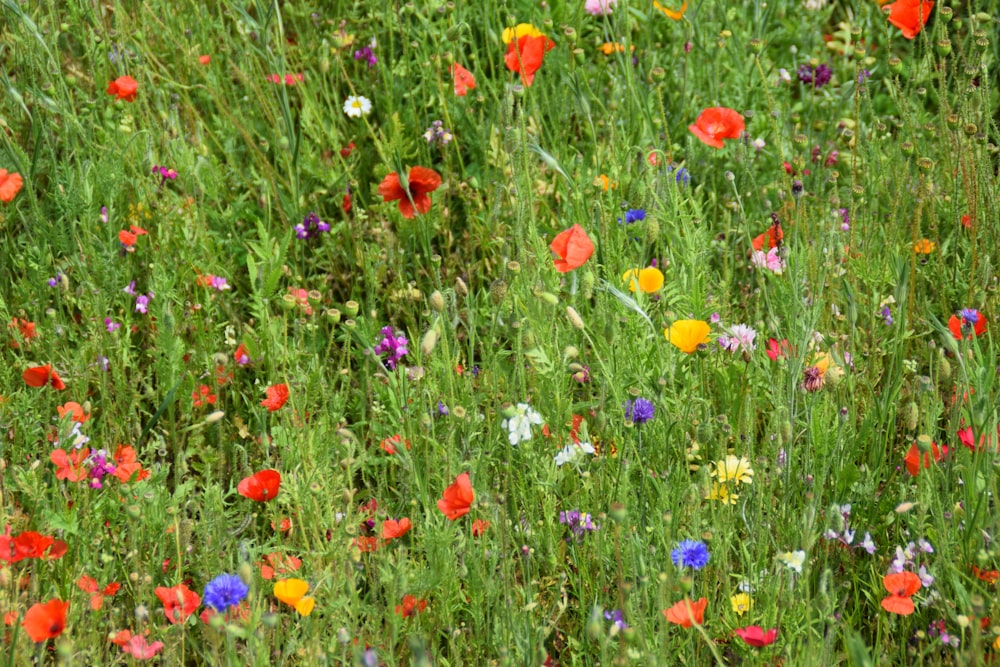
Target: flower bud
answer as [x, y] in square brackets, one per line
[548, 297]
[436, 301]
[574, 318]
[351, 308]
[911, 416]
[895, 65]
[428, 342]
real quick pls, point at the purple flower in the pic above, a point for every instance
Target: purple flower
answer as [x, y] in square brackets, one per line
[111, 325]
[617, 618]
[224, 591]
[580, 523]
[310, 226]
[55, 280]
[141, 303]
[367, 54]
[99, 467]
[690, 553]
[394, 344]
[130, 288]
[633, 215]
[104, 214]
[818, 76]
[886, 315]
[863, 76]
[219, 283]
[639, 411]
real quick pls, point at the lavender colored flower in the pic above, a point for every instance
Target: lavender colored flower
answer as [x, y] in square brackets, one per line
[394, 344]
[367, 53]
[311, 226]
[104, 214]
[690, 553]
[130, 288]
[617, 618]
[805, 73]
[219, 283]
[739, 337]
[579, 523]
[639, 411]
[111, 325]
[863, 76]
[224, 591]
[886, 314]
[99, 467]
[437, 132]
[55, 280]
[142, 303]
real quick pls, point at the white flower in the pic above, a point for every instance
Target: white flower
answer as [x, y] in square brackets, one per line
[574, 452]
[357, 106]
[739, 337]
[794, 560]
[519, 425]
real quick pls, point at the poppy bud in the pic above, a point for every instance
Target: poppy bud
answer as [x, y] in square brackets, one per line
[574, 318]
[587, 284]
[548, 297]
[895, 65]
[944, 47]
[946, 13]
[911, 416]
[436, 301]
[350, 324]
[461, 288]
[907, 147]
[245, 572]
[785, 432]
[332, 315]
[944, 368]
[570, 352]
[924, 443]
[288, 303]
[351, 308]
[570, 34]
[428, 342]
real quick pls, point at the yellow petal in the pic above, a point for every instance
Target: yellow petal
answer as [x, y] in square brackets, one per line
[290, 591]
[305, 606]
[687, 335]
[671, 13]
[650, 279]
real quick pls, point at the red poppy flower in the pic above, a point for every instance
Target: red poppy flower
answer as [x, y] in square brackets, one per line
[70, 466]
[204, 60]
[139, 648]
[967, 323]
[124, 88]
[411, 606]
[74, 410]
[913, 457]
[479, 527]
[179, 602]
[717, 123]
[89, 585]
[525, 55]
[261, 486]
[389, 444]
[754, 635]
[686, 613]
[989, 576]
[464, 81]
[277, 396]
[572, 248]
[39, 376]
[457, 498]
[346, 151]
[345, 203]
[393, 529]
[10, 185]
[772, 237]
[241, 355]
[901, 587]
[29, 544]
[126, 465]
[778, 349]
[910, 16]
[45, 621]
[968, 440]
[278, 563]
[421, 182]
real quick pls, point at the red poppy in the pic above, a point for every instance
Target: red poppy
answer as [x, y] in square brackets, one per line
[277, 396]
[411, 606]
[525, 56]
[345, 203]
[203, 396]
[126, 465]
[261, 486]
[910, 16]
[204, 60]
[772, 237]
[346, 151]
[778, 349]
[464, 81]
[989, 576]
[913, 457]
[74, 410]
[717, 123]
[139, 648]
[123, 88]
[70, 466]
[686, 613]
[179, 602]
[421, 182]
[278, 563]
[967, 323]
[25, 328]
[288, 79]
[89, 585]
[365, 545]
[968, 440]
[572, 248]
[389, 444]
[966, 221]
[457, 498]
[479, 527]
[393, 529]
[39, 376]
[45, 621]
[29, 544]
[901, 587]
[10, 185]
[241, 355]
[754, 635]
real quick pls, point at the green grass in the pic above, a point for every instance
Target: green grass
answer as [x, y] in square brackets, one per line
[905, 155]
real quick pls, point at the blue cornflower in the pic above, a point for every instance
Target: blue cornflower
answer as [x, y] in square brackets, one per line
[634, 215]
[970, 315]
[225, 591]
[690, 553]
[639, 411]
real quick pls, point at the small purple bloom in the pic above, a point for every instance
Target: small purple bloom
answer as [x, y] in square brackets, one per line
[99, 467]
[55, 280]
[141, 303]
[130, 288]
[580, 523]
[394, 344]
[104, 214]
[111, 325]
[617, 618]
[639, 411]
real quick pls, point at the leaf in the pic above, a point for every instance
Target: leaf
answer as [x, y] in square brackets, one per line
[626, 300]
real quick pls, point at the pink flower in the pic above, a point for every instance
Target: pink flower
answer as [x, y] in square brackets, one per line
[599, 7]
[138, 648]
[754, 635]
[771, 260]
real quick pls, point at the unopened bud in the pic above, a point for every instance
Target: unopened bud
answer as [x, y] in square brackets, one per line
[461, 288]
[428, 342]
[911, 416]
[574, 318]
[214, 417]
[548, 297]
[436, 301]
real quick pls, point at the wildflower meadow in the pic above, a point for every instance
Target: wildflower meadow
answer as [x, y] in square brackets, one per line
[561, 332]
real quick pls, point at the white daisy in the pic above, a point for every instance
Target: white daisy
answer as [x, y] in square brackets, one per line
[357, 106]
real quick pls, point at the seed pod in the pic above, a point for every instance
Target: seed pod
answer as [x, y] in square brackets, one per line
[785, 432]
[911, 416]
[498, 290]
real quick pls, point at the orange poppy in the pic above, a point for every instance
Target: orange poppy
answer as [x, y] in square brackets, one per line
[45, 621]
[910, 16]
[901, 587]
[479, 527]
[572, 248]
[464, 81]
[179, 602]
[772, 237]
[126, 465]
[393, 529]
[277, 396]
[70, 466]
[688, 335]
[913, 458]
[686, 613]
[124, 88]
[675, 15]
[457, 498]
[10, 185]
[260, 486]
[89, 585]
[717, 123]
[278, 563]
[74, 410]
[525, 55]
[421, 181]
[39, 376]
[411, 606]
[293, 592]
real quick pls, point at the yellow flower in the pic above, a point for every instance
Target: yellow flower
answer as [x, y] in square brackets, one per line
[687, 335]
[648, 280]
[821, 361]
[293, 593]
[741, 603]
[733, 469]
[522, 29]
[721, 493]
[924, 247]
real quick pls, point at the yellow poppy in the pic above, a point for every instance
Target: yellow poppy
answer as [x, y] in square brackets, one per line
[648, 280]
[522, 29]
[293, 593]
[687, 335]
